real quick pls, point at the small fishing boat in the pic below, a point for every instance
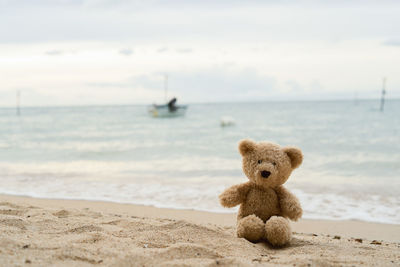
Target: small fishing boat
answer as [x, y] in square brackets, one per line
[165, 111]
[168, 110]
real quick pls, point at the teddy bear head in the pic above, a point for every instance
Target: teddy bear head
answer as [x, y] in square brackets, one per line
[268, 164]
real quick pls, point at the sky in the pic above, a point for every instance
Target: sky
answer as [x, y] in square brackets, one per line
[87, 52]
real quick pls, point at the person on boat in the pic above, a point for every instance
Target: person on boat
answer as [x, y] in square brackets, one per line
[172, 105]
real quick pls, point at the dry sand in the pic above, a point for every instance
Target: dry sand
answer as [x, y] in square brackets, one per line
[40, 232]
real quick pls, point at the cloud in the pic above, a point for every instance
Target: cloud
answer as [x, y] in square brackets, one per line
[206, 85]
[293, 88]
[184, 50]
[54, 52]
[149, 81]
[108, 84]
[162, 50]
[220, 84]
[392, 42]
[126, 51]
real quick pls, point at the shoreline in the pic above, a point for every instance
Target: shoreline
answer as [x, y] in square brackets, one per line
[343, 228]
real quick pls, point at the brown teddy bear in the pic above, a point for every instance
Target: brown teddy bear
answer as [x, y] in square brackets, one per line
[265, 205]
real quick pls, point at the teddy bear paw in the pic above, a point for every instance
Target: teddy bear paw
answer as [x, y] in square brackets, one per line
[278, 231]
[251, 228]
[295, 213]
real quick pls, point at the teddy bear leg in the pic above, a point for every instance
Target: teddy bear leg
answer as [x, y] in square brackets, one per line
[251, 227]
[277, 231]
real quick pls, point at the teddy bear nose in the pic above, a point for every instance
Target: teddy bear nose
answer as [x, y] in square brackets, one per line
[265, 174]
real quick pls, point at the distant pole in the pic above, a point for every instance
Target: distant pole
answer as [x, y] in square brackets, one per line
[383, 93]
[166, 87]
[18, 102]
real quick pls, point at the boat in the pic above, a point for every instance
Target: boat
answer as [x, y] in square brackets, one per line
[169, 109]
[164, 111]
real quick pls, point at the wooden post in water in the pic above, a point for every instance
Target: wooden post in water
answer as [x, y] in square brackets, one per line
[383, 93]
[18, 103]
[166, 87]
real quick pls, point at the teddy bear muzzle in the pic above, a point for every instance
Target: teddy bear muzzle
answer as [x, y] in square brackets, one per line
[265, 174]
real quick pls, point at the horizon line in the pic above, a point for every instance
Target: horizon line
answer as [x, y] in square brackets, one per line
[203, 103]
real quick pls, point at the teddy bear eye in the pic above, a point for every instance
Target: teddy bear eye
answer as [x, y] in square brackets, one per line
[259, 161]
[274, 163]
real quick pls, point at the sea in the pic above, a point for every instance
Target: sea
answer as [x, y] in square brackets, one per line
[351, 168]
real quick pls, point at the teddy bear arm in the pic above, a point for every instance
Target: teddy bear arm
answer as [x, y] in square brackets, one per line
[234, 195]
[289, 203]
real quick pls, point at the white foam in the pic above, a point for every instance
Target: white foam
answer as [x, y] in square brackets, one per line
[199, 194]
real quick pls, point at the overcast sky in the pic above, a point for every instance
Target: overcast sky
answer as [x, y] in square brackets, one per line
[78, 52]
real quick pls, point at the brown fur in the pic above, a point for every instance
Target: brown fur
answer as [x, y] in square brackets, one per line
[265, 205]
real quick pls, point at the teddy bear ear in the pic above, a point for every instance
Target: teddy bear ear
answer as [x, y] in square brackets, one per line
[246, 146]
[295, 155]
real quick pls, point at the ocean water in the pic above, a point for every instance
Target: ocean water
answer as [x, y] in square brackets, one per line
[351, 167]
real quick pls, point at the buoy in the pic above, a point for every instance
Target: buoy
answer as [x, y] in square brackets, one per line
[227, 121]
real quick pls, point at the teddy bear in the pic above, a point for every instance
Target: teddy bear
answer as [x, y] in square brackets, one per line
[265, 204]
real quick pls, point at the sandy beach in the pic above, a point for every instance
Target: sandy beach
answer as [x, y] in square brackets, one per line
[42, 232]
